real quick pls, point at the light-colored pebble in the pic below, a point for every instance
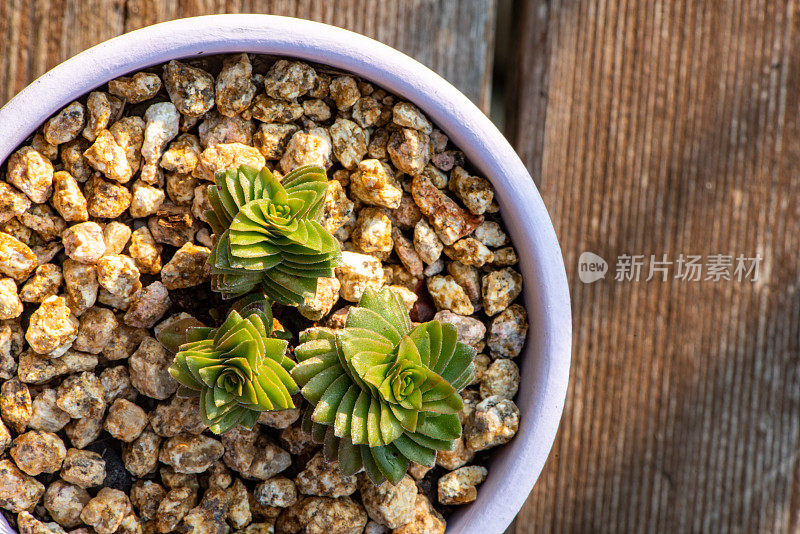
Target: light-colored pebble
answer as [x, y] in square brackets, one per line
[52, 328]
[357, 273]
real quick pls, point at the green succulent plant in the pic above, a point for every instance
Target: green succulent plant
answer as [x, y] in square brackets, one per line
[268, 233]
[383, 392]
[236, 370]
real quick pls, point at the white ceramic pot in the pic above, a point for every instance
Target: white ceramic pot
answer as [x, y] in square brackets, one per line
[546, 357]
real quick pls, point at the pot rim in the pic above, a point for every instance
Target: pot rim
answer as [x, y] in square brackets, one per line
[545, 361]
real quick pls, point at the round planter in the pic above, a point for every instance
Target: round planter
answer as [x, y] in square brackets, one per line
[546, 357]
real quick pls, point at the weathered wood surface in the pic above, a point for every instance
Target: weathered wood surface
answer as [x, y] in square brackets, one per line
[669, 127]
[453, 38]
[651, 127]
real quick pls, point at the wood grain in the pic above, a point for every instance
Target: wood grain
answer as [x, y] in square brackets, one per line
[651, 127]
[453, 38]
[669, 127]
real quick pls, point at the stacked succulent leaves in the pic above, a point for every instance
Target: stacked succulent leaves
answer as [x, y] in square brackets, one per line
[384, 393]
[237, 370]
[268, 233]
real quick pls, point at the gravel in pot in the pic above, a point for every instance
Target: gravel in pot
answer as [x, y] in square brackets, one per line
[104, 241]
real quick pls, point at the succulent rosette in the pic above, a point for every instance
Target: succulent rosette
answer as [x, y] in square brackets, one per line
[268, 233]
[237, 370]
[383, 392]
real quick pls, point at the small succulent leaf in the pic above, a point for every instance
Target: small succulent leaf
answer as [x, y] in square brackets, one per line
[389, 306]
[359, 433]
[436, 388]
[226, 199]
[242, 239]
[364, 362]
[344, 411]
[465, 378]
[408, 417]
[314, 388]
[231, 320]
[315, 333]
[449, 343]
[202, 344]
[249, 418]
[176, 334]
[217, 226]
[309, 368]
[257, 186]
[413, 400]
[370, 320]
[304, 174]
[372, 352]
[246, 185]
[390, 426]
[445, 427]
[208, 410]
[422, 340]
[349, 457]
[300, 284]
[187, 393]
[196, 363]
[318, 432]
[243, 359]
[325, 410]
[183, 376]
[273, 188]
[463, 356]
[371, 466]
[221, 397]
[356, 333]
[233, 187]
[261, 387]
[262, 324]
[375, 375]
[281, 294]
[226, 421]
[218, 207]
[318, 187]
[374, 437]
[279, 397]
[414, 451]
[431, 443]
[392, 464]
[281, 376]
[435, 338]
[407, 350]
[304, 271]
[330, 445]
[208, 373]
[300, 200]
[266, 400]
[275, 349]
[451, 404]
[306, 256]
[299, 236]
[313, 197]
[249, 393]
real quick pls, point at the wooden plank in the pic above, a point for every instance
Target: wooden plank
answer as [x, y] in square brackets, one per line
[664, 127]
[36, 40]
[453, 38]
